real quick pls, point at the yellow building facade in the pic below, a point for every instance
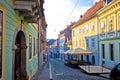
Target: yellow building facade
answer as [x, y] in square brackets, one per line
[80, 32]
[100, 33]
[85, 33]
[86, 26]
[109, 34]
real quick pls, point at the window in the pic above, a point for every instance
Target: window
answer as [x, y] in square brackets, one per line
[34, 47]
[37, 46]
[103, 51]
[83, 30]
[93, 42]
[111, 52]
[87, 58]
[79, 31]
[80, 43]
[76, 43]
[1, 29]
[73, 33]
[108, 1]
[87, 42]
[119, 22]
[103, 27]
[92, 26]
[110, 24]
[30, 46]
[87, 29]
[81, 57]
[83, 43]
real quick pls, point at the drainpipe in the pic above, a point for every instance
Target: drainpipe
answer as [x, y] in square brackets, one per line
[98, 34]
[38, 42]
[39, 22]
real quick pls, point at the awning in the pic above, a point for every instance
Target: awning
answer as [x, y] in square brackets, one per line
[79, 51]
[68, 52]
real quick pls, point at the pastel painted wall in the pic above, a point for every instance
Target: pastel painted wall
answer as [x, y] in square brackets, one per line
[83, 30]
[61, 44]
[110, 14]
[93, 45]
[12, 22]
[108, 62]
[85, 36]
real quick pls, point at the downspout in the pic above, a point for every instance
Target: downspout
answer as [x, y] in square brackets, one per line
[99, 45]
[98, 26]
[38, 44]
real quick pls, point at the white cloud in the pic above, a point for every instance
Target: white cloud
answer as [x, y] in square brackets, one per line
[57, 13]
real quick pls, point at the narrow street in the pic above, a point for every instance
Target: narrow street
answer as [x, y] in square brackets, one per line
[63, 72]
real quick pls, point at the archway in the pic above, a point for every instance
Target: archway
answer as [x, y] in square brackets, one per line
[20, 57]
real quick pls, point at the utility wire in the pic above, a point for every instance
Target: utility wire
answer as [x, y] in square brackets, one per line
[72, 11]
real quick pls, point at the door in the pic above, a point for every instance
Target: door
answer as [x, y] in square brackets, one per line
[20, 57]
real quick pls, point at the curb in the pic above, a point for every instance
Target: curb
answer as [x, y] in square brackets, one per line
[50, 72]
[104, 76]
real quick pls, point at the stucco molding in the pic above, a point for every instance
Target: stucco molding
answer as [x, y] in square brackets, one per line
[19, 28]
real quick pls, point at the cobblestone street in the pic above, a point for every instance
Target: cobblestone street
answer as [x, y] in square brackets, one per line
[62, 72]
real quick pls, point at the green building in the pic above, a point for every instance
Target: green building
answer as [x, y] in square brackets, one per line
[19, 23]
[109, 34]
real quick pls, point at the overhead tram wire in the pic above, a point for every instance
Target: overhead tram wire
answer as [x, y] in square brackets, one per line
[72, 11]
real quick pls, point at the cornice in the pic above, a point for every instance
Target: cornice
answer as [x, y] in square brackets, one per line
[113, 6]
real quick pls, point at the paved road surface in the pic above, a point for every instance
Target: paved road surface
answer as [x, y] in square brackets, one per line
[63, 72]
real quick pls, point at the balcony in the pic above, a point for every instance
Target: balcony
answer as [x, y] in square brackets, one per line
[29, 9]
[110, 35]
[118, 33]
[102, 36]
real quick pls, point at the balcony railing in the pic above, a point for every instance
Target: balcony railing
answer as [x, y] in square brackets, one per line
[102, 36]
[118, 33]
[110, 35]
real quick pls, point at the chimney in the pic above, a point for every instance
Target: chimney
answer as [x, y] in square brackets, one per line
[108, 1]
[81, 16]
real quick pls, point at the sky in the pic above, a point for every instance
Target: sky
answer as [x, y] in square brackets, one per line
[60, 13]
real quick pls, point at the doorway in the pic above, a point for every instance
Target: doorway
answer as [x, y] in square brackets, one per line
[93, 60]
[20, 57]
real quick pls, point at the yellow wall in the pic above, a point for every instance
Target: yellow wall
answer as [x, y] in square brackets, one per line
[88, 28]
[112, 10]
[109, 11]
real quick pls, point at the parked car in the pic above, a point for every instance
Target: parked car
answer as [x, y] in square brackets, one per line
[115, 73]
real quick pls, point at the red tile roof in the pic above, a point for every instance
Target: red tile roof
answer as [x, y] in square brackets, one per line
[90, 12]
